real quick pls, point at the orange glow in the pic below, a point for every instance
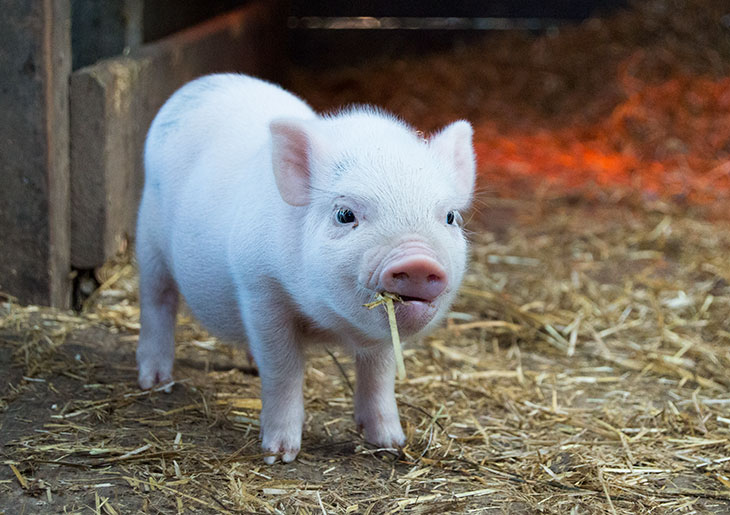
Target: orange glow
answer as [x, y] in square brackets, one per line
[671, 140]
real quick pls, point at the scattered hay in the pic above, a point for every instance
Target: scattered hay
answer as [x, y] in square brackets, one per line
[584, 367]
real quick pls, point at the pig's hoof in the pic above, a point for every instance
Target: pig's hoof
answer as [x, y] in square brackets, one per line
[280, 447]
[281, 432]
[384, 433]
[152, 373]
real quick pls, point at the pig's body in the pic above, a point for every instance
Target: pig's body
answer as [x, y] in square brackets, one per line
[279, 231]
[189, 209]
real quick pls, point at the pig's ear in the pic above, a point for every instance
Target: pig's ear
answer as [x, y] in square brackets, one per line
[454, 144]
[293, 148]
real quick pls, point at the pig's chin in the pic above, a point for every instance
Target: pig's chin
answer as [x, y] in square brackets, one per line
[414, 315]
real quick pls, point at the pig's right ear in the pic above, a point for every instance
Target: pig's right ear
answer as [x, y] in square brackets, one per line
[293, 149]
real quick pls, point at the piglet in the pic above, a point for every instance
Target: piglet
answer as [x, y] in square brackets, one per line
[277, 224]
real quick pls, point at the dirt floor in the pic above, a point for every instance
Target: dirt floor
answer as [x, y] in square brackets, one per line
[584, 368]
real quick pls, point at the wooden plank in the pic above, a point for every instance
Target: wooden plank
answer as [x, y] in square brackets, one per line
[35, 63]
[114, 101]
[330, 33]
[564, 9]
[165, 17]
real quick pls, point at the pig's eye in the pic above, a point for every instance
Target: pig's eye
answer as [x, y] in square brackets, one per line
[453, 218]
[345, 216]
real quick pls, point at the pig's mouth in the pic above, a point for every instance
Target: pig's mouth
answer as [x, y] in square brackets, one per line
[414, 313]
[415, 299]
[410, 299]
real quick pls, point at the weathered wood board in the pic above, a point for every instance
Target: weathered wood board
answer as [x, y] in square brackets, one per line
[114, 101]
[35, 62]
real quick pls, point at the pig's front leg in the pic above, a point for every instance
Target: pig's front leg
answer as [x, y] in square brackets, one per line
[375, 409]
[279, 357]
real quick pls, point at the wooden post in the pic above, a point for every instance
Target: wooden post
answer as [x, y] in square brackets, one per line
[35, 64]
[114, 101]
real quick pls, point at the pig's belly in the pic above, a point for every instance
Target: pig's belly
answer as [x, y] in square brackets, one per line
[215, 306]
[199, 235]
[201, 272]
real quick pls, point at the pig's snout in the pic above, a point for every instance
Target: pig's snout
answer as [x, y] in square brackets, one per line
[416, 277]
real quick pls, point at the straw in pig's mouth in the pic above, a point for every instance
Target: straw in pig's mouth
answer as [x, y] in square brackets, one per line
[382, 296]
[387, 299]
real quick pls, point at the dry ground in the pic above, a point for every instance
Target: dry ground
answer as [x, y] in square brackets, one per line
[584, 370]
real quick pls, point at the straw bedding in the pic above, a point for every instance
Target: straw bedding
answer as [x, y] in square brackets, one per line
[583, 369]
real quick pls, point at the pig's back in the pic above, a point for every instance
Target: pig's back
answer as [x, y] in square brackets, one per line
[208, 152]
[228, 113]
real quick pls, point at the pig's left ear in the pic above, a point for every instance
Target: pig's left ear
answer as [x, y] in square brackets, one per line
[293, 150]
[454, 144]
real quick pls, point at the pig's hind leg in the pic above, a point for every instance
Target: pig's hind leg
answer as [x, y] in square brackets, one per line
[158, 296]
[375, 409]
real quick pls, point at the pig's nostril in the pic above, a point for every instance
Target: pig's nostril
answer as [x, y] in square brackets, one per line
[417, 277]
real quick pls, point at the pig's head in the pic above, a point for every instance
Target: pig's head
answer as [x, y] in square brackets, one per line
[380, 209]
